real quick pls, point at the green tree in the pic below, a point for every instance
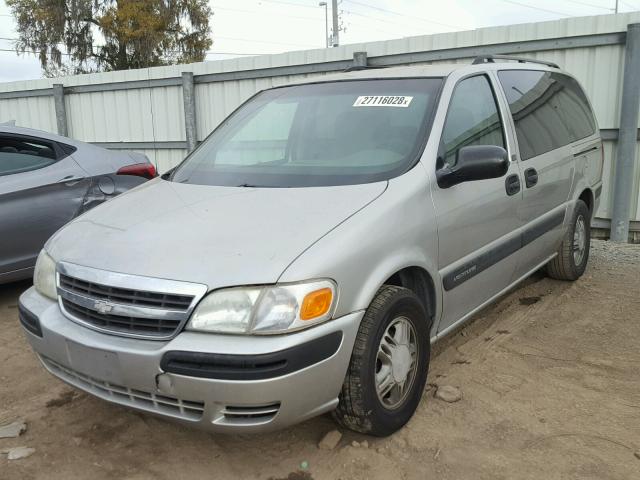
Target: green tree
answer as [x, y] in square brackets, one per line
[81, 36]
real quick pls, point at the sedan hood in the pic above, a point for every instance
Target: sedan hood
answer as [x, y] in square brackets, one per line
[218, 236]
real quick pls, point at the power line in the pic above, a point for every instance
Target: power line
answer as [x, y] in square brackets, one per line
[208, 52]
[448, 25]
[253, 12]
[398, 22]
[288, 3]
[358, 25]
[372, 18]
[35, 52]
[536, 8]
[238, 53]
[251, 40]
[247, 11]
[590, 5]
[629, 5]
[268, 41]
[26, 51]
[225, 38]
[377, 20]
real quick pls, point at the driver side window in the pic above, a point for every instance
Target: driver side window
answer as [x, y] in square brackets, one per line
[472, 119]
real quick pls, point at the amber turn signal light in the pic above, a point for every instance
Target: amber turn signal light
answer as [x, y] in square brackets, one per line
[316, 304]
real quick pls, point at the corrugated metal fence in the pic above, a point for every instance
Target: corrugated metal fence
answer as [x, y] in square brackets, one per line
[144, 110]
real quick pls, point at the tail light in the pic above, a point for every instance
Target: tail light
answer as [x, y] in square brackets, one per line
[146, 170]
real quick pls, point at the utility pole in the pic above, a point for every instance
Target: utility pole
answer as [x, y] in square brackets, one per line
[617, 6]
[326, 24]
[335, 41]
[627, 137]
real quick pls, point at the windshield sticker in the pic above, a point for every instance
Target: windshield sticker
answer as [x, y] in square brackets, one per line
[383, 101]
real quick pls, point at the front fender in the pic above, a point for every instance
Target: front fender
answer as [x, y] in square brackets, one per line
[395, 231]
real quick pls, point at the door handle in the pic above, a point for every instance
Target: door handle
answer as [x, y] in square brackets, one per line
[530, 177]
[512, 184]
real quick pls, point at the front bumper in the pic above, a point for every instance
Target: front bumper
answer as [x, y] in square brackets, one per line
[128, 371]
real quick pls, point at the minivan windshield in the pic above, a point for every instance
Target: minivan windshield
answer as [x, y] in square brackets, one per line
[321, 134]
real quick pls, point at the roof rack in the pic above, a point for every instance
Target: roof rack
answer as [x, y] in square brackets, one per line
[491, 59]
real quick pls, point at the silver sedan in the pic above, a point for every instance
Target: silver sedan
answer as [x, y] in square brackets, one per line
[46, 180]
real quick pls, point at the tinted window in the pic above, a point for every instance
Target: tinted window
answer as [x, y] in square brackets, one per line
[472, 119]
[549, 109]
[18, 154]
[333, 133]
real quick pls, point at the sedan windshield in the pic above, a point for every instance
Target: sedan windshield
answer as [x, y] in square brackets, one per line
[334, 133]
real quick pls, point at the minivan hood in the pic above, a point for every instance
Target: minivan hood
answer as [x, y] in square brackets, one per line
[218, 236]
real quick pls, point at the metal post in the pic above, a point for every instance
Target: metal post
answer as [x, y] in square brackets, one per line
[627, 137]
[189, 99]
[359, 59]
[326, 23]
[61, 111]
[335, 40]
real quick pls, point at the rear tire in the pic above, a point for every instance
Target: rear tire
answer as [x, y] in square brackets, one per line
[388, 368]
[573, 254]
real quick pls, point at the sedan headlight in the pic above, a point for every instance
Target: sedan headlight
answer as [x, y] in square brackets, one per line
[265, 310]
[44, 276]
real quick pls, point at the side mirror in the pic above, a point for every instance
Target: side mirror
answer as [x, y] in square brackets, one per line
[475, 162]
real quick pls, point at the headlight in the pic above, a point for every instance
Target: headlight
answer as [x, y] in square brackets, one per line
[44, 277]
[265, 310]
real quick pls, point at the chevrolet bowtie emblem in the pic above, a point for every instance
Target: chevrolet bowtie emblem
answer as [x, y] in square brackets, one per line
[102, 307]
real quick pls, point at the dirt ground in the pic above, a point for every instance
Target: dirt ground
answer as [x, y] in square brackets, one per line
[551, 389]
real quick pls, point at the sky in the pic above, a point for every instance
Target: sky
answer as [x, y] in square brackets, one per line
[250, 27]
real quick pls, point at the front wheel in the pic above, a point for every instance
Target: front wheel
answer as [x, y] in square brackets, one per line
[389, 364]
[573, 254]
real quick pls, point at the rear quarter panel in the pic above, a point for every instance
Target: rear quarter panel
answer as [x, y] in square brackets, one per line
[99, 161]
[589, 161]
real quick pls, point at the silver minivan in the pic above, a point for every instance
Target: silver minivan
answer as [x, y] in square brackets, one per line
[305, 256]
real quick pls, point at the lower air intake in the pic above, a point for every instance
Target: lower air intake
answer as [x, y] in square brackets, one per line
[249, 415]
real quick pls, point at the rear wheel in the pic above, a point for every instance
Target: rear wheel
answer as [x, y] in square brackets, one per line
[573, 255]
[389, 363]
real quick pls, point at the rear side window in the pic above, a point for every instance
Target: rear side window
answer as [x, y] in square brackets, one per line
[18, 154]
[550, 110]
[472, 119]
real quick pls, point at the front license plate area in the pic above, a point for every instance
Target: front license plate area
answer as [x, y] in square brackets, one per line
[93, 362]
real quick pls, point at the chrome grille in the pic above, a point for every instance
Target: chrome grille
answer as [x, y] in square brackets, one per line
[152, 402]
[124, 304]
[122, 324]
[125, 295]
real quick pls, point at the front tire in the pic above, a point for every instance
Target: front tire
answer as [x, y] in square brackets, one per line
[389, 364]
[573, 254]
